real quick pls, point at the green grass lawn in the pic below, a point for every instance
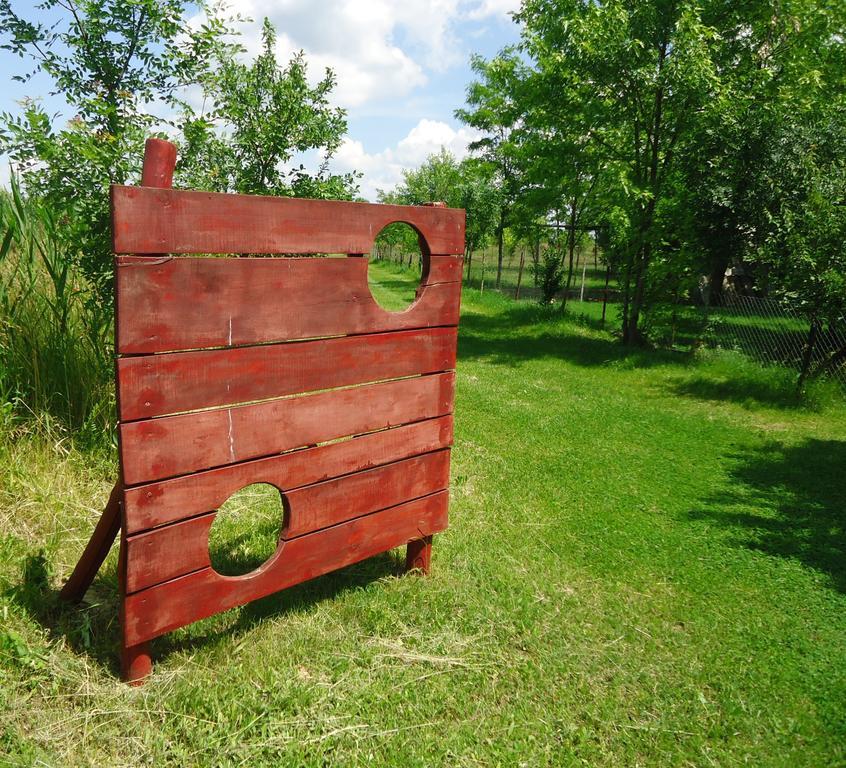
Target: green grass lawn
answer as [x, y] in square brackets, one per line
[646, 566]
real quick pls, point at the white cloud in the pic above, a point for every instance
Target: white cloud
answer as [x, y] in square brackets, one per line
[496, 8]
[380, 50]
[383, 170]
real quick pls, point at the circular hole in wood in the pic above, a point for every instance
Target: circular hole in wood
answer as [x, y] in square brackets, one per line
[246, 530]
[395, 267]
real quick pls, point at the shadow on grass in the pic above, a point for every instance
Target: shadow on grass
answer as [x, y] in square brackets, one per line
[770, 391]
[92, 628]
[518, 333]
[790, 502]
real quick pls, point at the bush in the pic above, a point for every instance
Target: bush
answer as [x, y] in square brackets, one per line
[550, 274]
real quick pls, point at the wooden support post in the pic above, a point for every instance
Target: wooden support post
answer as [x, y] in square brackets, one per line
[135, 663]
[418, 555]
[96, 551]
[135, 660]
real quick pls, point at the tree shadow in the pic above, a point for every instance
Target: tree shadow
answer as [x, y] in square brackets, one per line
[763, 390]
[788, 501]
[519, 333]
[92, 628]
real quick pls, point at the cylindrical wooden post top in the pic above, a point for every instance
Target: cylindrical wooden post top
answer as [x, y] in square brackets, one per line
[159, 162]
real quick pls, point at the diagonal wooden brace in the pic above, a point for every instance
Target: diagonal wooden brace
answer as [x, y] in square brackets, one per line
[96, 551]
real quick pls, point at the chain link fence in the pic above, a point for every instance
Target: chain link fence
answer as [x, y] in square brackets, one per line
[771, 333]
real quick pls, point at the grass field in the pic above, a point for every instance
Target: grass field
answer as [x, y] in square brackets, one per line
[646, 566]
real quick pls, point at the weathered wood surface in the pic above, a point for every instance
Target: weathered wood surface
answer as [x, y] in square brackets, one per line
[155, 385]
[155, 449]
[241, 370]
[194, 303]
[172, 604]
[168, 501]
[148, 220]
[96, 551]
[174, 550]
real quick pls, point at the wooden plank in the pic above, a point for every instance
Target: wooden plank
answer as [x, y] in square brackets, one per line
[165, 607]
[194, 303]
[148, 506]
[147, 220]
[155, 385]
[155, 449]
[174, 550]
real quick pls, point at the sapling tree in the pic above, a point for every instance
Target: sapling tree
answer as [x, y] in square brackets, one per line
[494, 109]
[262, 117]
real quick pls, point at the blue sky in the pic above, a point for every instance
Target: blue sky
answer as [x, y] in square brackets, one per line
[402, 70]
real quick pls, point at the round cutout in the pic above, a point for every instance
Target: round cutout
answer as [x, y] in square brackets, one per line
[395, 267]
[246, 530]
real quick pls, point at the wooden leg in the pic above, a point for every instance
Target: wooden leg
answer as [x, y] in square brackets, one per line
[135, 663]
[96, 551]
[418, 555]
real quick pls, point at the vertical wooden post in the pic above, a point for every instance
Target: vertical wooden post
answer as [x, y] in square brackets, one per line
[418, 555]
[135, 661]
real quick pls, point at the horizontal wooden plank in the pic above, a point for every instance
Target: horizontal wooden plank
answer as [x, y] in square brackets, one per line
[155, 385]
[194, 303]
[149, 220]
[148, 506]
[165, 607]
[174, 550]
[155, 449]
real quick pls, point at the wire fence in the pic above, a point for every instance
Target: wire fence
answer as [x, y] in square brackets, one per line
[771, 333]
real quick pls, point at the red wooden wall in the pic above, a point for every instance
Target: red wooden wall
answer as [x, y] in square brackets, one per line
[244, 369]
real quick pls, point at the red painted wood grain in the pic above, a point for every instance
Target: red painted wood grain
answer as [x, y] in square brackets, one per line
[155, 449]
[193, 303]
[160, 503]
[174, 550]
[155, 385]
[172, 604]
[148, 220]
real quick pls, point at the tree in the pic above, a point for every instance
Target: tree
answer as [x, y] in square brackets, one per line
[643, 75]
[481, 199]
[112, 61]
[804, 250]
[493, 108]
[467, 185]
[262, 117]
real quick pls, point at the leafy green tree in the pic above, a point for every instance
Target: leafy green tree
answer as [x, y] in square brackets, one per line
[494, 109]
[262, 117]
[113, 62]
[640, 76]
[480, 197]
[466, 184]
[804, 194]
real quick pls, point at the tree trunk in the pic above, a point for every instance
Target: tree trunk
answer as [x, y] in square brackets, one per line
[716, 281]
[500, 238]
[520, 274]
[571, 250]
[605, 292]
[469, 262]
[536, 259]
[632, 334]
[808, 353]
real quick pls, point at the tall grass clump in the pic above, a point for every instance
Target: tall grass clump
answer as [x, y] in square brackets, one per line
[55, 336]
